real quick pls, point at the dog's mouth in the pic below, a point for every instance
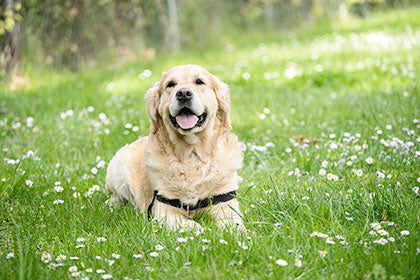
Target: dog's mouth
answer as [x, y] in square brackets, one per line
[187, 120]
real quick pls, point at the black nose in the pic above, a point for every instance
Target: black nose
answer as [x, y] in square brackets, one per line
[184, 94]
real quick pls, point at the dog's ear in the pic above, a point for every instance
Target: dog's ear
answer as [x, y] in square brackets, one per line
[152, 98]
[223, 99]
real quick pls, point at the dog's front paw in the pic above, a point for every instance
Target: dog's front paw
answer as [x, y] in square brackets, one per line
[114, 201]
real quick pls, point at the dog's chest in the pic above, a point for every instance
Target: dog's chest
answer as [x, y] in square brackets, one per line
[191, 178]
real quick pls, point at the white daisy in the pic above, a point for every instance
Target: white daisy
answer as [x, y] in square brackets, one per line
[281, 262]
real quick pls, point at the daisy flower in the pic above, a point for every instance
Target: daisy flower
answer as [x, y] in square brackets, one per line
[136, 256]
[281, 262]
[106, 276]
[154, 254]
[115, 256]
[242, 245]
[159, 247]
[75, 274]
[149, 268]
[405, 232]
[369, 160]
[391, 239]
[222, 241]
[80, 239]
[76, 195]
[73, 268]
[330, 241]
[322, 172]
[205, 240]
[323, 253]
[181, 240]
[333, 146]
[359, 172]
[52, 265]
[298, 262]
[375, 226]
[381, 241]
[382, 232]
[322, 235]
[60, 258]
[46, 258]
[58, 201]
[101, 239]
[324, 164]
[10, 255]
[99, 271]
[89, 270]
[58, 189]
[29, 183]
[380, 174]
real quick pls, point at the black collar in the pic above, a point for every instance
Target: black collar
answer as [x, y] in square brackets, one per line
[200, 204]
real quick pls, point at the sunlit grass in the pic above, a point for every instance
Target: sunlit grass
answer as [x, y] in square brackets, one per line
[331, 172]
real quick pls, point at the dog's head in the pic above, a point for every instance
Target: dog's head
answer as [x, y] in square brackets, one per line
[188, 100]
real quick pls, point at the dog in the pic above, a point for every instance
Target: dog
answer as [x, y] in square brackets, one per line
[188, 164]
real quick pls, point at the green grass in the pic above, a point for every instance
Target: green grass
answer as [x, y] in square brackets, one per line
[356, 77]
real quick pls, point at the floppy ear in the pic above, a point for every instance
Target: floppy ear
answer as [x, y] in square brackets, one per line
[223, 99]
[152, 98]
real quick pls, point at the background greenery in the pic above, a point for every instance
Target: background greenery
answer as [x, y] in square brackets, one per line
[74, 33]
[337, 91]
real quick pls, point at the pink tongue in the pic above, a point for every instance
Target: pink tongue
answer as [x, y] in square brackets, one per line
[187, 121]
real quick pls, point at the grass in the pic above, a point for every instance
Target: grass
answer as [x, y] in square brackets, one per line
[351, 89]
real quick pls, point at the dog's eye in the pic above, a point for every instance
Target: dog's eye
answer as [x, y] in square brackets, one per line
[170, 84]
[199, 82]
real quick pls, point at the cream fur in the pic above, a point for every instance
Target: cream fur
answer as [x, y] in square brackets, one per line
[188, 166]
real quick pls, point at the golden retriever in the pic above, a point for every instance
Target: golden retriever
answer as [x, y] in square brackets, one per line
[190, 154]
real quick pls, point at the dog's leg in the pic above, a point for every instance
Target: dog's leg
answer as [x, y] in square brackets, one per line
[227, 215]
[115, 201]
[173, 217]
[117, 179]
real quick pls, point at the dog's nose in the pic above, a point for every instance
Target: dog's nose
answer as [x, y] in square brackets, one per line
[184, 94]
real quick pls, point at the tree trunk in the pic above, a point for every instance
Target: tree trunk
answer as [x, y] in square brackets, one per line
[307, 9]
[173, 30]
[13, 44]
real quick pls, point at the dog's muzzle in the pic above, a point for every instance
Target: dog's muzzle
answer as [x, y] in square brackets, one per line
[186, 118]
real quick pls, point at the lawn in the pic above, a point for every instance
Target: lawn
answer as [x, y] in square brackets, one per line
[329, 117]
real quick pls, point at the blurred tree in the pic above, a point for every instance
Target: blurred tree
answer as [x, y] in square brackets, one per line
[9, 31]
[173, 30]
[68, 32]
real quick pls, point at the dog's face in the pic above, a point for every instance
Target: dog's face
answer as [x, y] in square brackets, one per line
[187, 100]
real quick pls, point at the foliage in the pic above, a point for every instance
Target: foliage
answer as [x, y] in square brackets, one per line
[10, 16]
[70, 32]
